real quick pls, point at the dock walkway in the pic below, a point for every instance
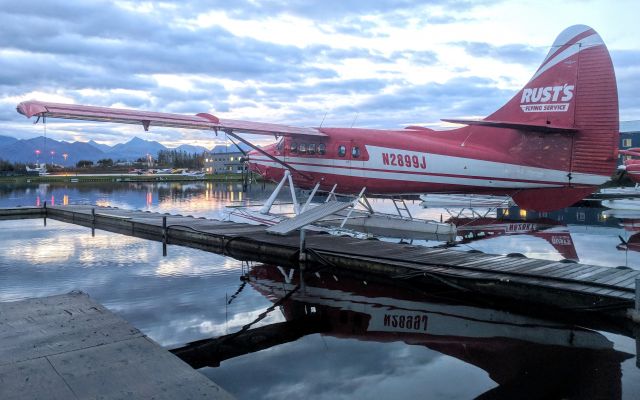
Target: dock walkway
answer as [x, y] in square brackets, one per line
[556, 284]
[70, 347]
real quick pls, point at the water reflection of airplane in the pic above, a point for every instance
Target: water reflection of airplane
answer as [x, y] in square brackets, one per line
[630, 221]
[525, 356]
[555, 233]
[631, 165]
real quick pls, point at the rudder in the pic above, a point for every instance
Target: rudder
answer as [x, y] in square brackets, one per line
[574, 87]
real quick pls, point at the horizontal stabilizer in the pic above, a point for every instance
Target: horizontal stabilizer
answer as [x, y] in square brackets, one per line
[630, 152]
[544, 128]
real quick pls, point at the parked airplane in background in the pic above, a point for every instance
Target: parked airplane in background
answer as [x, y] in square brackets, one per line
[632, 165]
[41, 169]
[551, 145]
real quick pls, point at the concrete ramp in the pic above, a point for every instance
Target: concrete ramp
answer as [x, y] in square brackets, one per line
[70, 347]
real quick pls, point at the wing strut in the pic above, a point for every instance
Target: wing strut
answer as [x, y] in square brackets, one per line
[264, 153]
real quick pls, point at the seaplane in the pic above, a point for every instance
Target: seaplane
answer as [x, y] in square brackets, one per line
[194, 174]
[553, 143]
[41, 169]
[631, 165]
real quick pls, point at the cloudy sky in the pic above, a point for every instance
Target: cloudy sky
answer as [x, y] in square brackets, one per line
[378, 63]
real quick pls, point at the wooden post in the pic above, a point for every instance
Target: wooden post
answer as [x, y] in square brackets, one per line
[45, 213]
[637, 309]
[636, 317]
[164, 236]
[638, 348]
[93, 222]
[303, 245]
[302, 258]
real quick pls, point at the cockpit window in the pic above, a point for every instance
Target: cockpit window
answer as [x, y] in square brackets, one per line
[280, 145]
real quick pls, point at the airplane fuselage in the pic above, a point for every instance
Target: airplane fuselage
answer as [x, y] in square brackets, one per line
[421, 161]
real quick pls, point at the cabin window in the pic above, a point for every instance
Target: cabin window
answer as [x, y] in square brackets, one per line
[355, 152]
[322, 148]
[302, 148]
[280, 145]
[312, 148]
[626, 142]
[293, 147]
[342, 150]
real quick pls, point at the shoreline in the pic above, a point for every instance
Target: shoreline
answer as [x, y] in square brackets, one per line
[82, 178]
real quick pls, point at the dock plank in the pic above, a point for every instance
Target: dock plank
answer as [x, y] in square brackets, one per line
[552, 278]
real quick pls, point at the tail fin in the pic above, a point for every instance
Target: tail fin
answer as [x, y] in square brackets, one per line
[573, 90]
[575, 87]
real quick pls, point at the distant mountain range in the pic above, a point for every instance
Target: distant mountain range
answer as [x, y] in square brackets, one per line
[24, 150]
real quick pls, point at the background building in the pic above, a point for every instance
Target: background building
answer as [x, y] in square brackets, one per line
[629, 136]
[224, 160]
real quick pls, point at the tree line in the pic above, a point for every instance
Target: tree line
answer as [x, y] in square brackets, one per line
[180, 159]
[165, 159]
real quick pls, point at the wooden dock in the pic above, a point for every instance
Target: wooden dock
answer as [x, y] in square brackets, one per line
[70, 347]
[563, 286]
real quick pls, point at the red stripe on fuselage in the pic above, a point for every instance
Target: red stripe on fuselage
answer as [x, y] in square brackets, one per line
[486, 178]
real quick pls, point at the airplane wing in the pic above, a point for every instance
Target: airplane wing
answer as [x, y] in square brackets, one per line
[202, 121]
[147, 119]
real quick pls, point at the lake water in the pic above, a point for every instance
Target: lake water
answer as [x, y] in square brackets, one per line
[336, 336]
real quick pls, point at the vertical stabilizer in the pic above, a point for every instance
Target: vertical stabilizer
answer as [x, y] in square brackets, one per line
[575, 87]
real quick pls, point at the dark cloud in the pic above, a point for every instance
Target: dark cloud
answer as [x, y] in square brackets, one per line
[321, 11]
[36, 70]
[327, 87]
[510, 53]
[159, 49]
[64, 47]
[457, 96]
[627, 68]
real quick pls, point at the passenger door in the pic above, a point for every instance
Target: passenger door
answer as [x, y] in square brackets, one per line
[342, 163]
